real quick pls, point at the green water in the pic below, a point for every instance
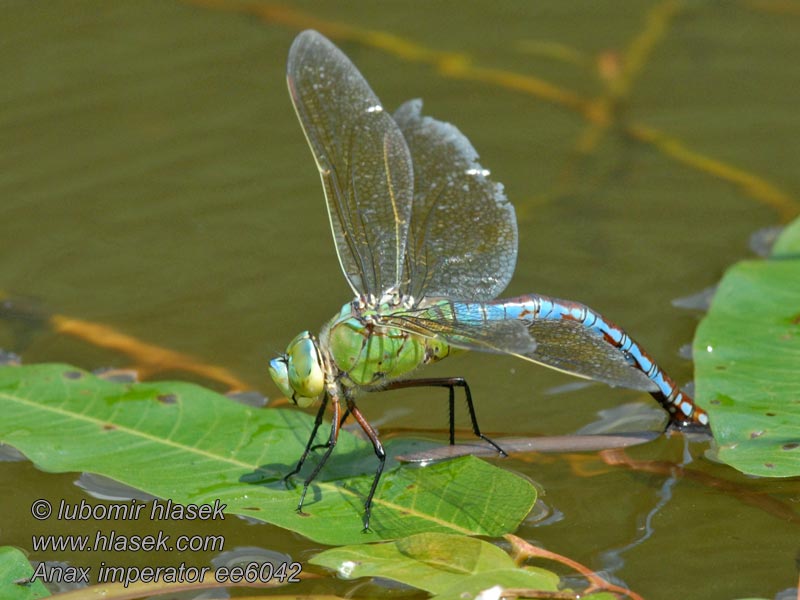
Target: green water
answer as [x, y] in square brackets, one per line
[153, 178]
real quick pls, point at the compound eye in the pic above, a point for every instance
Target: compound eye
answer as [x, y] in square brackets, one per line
[278, 370]
[306, 375]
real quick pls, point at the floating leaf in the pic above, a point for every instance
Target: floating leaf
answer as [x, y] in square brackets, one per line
[443, 564]
[787, 246]
[747, 355]
[191, 445]
[14, 569]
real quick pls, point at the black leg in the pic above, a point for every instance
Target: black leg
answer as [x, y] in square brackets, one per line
[379, 452]
[331, 445]
[341, 422]
[450, 383]
[451, 403]
[317, 423]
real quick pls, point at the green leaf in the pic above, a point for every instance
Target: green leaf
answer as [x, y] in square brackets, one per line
[15, 567]
[788, 244]
[528, 578]
[443, 564]
[747, 356]
[191, 445]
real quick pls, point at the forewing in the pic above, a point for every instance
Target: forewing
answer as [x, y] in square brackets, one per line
[363, 161]
[463, 236]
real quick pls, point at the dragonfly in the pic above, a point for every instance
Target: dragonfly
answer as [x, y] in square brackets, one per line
[427, 242]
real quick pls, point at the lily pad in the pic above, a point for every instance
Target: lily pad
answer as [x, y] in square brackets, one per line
[449, 566]
[14, 569]
[787, 246]
[191, 445]
[747, 356]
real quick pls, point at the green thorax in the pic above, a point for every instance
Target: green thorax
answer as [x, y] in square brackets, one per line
[369, 354]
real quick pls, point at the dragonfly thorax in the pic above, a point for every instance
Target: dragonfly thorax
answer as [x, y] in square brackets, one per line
[300, 373]
[368, 351]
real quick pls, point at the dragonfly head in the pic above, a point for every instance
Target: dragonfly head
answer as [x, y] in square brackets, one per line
[299, 373]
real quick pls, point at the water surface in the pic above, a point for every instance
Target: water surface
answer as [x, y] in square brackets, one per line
[154, 179]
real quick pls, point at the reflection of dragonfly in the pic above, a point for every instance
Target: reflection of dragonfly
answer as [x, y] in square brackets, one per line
[426, 242]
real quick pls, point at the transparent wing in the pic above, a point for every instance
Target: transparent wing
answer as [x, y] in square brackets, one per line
[571, 347]
[565, 345]
[363, 161]
[464, 325]
[463, 236]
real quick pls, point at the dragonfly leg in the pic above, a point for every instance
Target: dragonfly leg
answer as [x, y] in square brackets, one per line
[379, 452]
[341, 422]
[309, 448]
[450, 383]
[334, 436]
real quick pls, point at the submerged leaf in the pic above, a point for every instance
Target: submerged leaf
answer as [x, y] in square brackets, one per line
[443, 564]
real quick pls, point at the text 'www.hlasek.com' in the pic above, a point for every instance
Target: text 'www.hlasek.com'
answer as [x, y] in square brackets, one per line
[109, 540]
